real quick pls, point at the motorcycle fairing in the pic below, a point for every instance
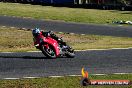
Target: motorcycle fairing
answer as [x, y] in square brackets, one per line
[54, 43]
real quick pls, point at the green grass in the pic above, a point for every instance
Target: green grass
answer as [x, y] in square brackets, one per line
[15, 40]
[12, 39]
[64, 13]
[63, 82]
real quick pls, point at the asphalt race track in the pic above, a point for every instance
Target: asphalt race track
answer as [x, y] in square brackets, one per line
[66, 27]
[36, 64]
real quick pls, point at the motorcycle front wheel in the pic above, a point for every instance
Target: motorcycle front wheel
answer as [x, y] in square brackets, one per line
[48, 51]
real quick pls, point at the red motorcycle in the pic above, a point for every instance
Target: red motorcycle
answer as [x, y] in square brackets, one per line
[52, 48]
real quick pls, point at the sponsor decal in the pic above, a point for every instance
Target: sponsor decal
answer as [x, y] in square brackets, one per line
[85, 81]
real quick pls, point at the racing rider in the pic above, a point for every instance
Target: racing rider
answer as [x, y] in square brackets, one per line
[36, 32]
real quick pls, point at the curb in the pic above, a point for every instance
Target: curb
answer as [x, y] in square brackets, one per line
[30, 77]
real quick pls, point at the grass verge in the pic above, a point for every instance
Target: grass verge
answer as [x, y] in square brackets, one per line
[64, 13]
[12, 39]
[63, 82]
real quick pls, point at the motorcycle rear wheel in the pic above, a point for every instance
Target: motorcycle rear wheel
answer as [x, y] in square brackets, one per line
[70, 53]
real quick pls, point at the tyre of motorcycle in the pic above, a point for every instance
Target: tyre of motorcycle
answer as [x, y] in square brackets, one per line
[70, 53]
[50, 52]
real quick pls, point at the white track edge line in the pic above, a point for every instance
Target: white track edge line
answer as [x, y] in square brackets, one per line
[7, 52]
[83, 50]
[10, 78]
[30, 77]
[56, 76]
[98, 74]
[74, 75]
[64, 76]
[94, 49]
[105, 49]
[121, 73]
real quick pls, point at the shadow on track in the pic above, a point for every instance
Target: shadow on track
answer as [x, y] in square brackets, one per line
[25, 57]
